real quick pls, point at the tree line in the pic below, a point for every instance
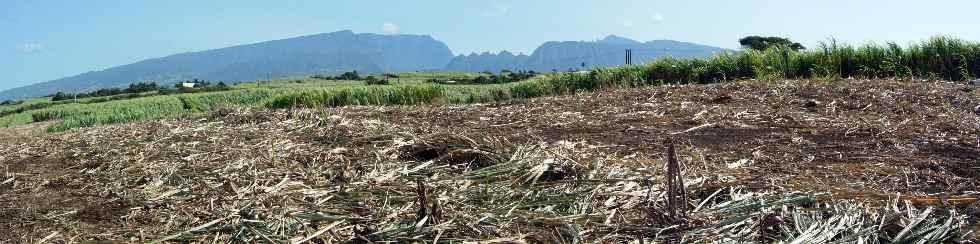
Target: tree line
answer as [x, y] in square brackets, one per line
[505, 76]
[136, 89]
[353, 75]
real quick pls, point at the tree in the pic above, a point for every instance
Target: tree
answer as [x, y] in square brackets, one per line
[202, 83]
[762, 43]
[481, 80]
[349, 76]
[371, 80]
[513, 77]
[60, 96]
[165, 91]
[142, 87]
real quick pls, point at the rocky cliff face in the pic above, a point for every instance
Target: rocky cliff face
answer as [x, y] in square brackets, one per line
[488, 62]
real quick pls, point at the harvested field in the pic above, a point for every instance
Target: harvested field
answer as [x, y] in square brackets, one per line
[883, 160]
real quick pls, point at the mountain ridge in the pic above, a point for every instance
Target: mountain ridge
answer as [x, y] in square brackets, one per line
[565, 55]
[332, 52]
[345, 50]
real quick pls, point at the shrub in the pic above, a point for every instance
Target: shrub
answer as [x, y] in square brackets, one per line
[371, 80]
[505, 76]
[349, 76]
[11, 102]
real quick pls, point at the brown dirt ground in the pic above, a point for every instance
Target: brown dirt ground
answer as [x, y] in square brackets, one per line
[858, 139]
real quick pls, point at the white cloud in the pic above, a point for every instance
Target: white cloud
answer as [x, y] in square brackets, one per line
[390, 28]
[32, 47]
[658, 17]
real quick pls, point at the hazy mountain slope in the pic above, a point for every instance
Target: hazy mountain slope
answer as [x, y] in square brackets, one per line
[573, 54]
[316, 54]
[337, 52]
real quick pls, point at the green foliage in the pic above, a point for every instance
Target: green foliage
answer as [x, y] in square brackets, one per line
[10, 103]
[81, 115]
[395, 95]
[77, 115]
[938, 58]
[134, 88]
[14, 119]
[352, 75]
[199, 86]
[205, 102]
[60, 96]
[22, 109]
[505, 76]
[371, 80]
[422, 75]
[760, 43]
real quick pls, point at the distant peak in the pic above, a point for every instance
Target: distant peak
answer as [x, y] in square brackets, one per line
[335, 33]
[342, 32]
[614, 39]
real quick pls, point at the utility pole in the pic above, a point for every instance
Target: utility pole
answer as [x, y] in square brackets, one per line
[629, 63]
[387, 73]
[629, 57]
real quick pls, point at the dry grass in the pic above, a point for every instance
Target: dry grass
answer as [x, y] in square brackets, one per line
[814, 161]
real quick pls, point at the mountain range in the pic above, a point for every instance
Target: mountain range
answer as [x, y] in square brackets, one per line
[561, 56]
[337, 52]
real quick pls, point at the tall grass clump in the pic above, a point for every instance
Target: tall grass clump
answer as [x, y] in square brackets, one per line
[83, 115]
[477, 94]
[937, 58]
[374, 95]
[204, 102]
[15, 119]
[78, 115]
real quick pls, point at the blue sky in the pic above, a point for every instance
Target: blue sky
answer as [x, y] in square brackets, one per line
[48, 39]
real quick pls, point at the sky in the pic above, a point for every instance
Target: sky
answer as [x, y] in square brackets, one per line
[42, 40]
